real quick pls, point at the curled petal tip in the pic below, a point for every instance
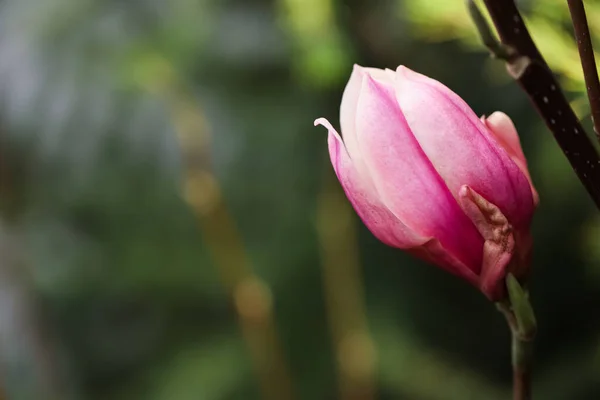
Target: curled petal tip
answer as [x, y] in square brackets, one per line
[325, 123]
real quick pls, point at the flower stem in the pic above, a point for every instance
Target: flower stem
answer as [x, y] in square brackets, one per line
[521, 319]
[522, 351]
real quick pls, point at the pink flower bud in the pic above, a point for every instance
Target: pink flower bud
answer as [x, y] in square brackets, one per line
[425, 174]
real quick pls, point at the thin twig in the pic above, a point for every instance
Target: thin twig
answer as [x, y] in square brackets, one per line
[488, 38]
[534, 76]
[588, 61]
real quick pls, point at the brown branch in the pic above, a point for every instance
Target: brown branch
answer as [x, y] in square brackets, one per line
[511, 28]
[588, 61]
[530, 70]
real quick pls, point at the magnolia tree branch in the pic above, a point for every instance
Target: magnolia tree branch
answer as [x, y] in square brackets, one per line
[527, 66]
[588, 61]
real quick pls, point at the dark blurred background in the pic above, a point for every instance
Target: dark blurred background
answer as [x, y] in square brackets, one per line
[171, 227]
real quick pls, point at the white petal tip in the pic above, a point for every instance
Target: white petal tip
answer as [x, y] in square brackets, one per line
[323, 122]
[500, 114]
[405, 73]
[401, 69]
[498, 117]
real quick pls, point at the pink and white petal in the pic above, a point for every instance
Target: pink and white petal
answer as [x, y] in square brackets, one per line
[348, 112]
[405, 179]
[375, 215]
[460, 147]
[358, 165]
[505, 133]
[503, 130]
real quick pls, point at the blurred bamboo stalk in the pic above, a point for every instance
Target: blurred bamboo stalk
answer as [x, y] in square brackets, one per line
[250, 294]
[355, 351]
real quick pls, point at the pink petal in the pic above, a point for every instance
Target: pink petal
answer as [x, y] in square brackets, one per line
[460, 147]
[365, 199]
[505, 133]
[348, 113]
[349, 104]
[406, 180]
[381, 221]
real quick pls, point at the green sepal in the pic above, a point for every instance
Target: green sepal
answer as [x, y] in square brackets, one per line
[521, 308]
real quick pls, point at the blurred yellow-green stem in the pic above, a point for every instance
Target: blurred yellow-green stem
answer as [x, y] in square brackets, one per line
[355, 351]
[250, 294]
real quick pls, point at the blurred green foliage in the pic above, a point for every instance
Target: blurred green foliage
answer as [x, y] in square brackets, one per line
[130, 297]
